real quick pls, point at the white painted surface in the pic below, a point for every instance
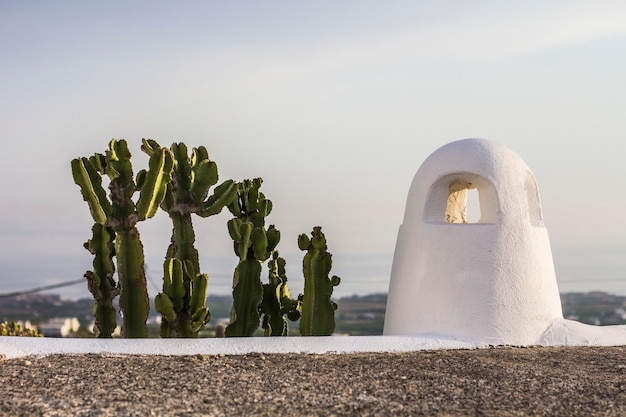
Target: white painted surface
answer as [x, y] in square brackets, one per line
[489, 282]
[574, 333]
[13, 347]
[559, 333]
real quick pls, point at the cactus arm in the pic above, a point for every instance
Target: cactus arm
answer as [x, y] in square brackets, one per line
[140, 179]
[199, 286]
[168, 202]
[174, 277]
[100, 281]
[154, 185]
[86, 177]
[150, 146]
[289, 306]
[98, 161]
[132, 279]
[183, 239]
[118, 161]
[171, 303]
[223, 195]
[122, 187]
[247, 295]
[245, 230]
[318, 311]
[274, 323]
[191, 313]
[199, 320]
[259, 243]
[233, 226]
[183, 166]
[273, 237]
[251, 199]
[303, 242]
[277, 301]
[235, 205]
[164, 305]
[204, 174]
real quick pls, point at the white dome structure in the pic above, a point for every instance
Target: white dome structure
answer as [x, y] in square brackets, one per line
[492, 281]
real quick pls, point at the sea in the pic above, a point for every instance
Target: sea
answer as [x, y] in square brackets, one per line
[577, 270]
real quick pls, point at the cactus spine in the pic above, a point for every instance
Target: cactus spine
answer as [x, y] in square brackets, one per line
[182, 302]
[253, 245]
[277, 301]
[318, 311]
[121, 215]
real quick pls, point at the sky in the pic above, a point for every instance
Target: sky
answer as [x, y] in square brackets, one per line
[335, 104]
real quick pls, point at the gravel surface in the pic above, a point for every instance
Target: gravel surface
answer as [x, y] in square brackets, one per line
[484, 382]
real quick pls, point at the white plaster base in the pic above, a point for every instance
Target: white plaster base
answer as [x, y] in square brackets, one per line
[573, 333]
[560, 333]
[13, 347]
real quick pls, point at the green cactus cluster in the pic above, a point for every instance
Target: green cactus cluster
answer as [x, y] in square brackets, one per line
[182, 302]
[119, 213]
[318, 310]
[180, 184]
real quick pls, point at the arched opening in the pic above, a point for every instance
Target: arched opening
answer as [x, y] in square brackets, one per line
[462, 198]
[463, 203]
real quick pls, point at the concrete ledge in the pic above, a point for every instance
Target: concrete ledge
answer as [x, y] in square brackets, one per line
[559, 333]
[13, 347]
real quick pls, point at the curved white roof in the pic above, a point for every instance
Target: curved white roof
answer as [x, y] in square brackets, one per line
[493, 168]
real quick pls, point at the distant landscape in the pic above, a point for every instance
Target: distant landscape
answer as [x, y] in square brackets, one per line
[356, 315]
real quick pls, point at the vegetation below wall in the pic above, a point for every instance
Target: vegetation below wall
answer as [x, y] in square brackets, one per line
[357, 315]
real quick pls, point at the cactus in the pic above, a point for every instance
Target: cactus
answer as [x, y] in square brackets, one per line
[277, 301]
[121, 215]
[100, 281]
[253, 244]
[318, 311]
[174, 303]
[184, 288]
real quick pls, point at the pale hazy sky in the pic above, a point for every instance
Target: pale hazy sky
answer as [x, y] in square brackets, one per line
[334, 103]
